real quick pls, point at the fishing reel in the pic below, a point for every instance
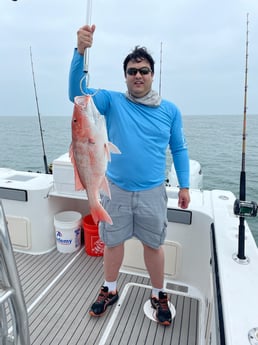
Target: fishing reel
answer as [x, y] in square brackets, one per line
[245, 208]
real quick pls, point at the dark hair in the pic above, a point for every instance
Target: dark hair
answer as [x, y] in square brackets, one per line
[137, 55]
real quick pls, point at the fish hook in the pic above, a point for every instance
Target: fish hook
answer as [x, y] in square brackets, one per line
[82, 91]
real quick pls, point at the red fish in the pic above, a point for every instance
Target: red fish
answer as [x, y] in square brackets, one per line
[89, 153]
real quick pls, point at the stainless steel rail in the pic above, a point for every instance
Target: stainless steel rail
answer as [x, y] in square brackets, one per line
[11, 293]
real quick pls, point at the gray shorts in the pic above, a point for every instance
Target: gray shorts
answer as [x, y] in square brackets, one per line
[140, 214]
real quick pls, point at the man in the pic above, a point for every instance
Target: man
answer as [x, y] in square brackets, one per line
[141, 125]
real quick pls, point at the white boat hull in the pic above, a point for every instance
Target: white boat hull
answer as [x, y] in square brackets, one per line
[200, 251]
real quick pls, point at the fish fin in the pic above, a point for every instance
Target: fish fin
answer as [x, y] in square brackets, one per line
[99, 214]
[107, 152]
[113, 148]
[77, 180]
[105, 187]
[110, 147]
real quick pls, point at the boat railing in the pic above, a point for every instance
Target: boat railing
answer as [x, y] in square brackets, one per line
[14, 326]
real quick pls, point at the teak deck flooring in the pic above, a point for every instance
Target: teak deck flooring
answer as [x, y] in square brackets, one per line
[59, 289]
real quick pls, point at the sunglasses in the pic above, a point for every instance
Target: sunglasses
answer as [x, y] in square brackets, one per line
[142, 70]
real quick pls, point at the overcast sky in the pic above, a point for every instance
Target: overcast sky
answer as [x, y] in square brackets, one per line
[203, 44]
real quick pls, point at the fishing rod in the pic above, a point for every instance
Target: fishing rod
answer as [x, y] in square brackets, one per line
[160, 68]
[40, 126]
[243, 208]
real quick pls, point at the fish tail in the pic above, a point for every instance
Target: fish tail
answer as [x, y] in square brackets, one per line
[99, 214]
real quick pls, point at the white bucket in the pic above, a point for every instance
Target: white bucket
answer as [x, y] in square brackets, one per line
[68, 231]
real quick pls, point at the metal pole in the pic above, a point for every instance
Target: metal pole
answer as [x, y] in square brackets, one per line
[11, 277]
[86, 51]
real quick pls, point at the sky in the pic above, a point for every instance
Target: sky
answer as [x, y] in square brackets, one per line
[203, 52]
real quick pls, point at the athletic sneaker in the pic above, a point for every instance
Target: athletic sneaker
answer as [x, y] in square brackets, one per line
[163, 314]
[104, 299]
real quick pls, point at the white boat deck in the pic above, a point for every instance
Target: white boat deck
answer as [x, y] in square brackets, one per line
[59, 289]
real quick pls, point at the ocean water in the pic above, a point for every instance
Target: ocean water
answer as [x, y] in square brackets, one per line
[215, 141]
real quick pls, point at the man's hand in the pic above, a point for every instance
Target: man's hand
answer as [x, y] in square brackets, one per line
[183, 198]
[85, 38]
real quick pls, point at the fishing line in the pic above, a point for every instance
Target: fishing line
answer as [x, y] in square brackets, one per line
[40, 126]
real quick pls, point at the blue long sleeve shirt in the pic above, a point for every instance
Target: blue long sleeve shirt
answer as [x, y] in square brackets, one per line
[142, 134]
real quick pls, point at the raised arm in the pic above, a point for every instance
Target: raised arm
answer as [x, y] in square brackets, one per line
[84, 40]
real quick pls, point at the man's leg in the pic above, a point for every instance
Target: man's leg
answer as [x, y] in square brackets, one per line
[154, 261]
[113, 257]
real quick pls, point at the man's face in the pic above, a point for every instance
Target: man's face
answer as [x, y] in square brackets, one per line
[139, 84]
